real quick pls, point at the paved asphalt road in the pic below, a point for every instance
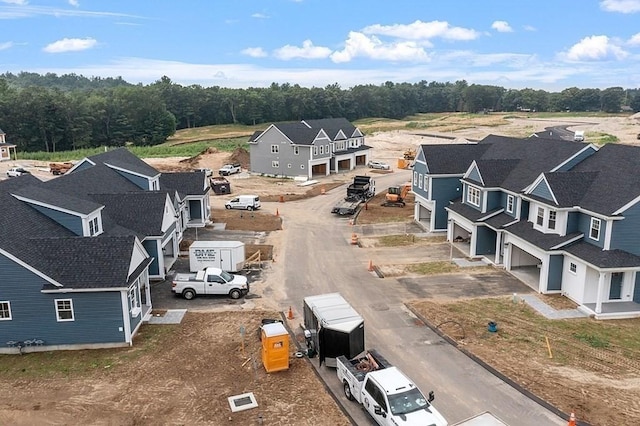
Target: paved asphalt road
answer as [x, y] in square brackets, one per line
[319, 259]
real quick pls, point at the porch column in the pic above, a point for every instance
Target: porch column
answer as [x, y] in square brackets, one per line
[473, 242]
[496, 260]
[600, 292]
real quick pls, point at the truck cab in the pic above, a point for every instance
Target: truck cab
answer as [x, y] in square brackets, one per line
[208, 281]
[392, 399]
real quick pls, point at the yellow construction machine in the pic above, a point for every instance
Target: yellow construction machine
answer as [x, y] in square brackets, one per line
[408, 157]
[396, 195]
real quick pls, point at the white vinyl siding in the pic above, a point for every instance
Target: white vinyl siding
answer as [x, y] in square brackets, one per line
[296, 150]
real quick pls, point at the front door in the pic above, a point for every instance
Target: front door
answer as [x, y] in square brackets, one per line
[615, 289]
[225, 260]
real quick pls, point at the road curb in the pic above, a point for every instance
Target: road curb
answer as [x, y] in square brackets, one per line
[493, 371]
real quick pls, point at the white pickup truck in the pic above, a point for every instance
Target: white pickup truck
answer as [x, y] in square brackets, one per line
[389, 396]
[230, 169]
[210, 281]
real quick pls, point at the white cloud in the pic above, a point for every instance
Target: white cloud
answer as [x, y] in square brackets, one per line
[20, 2]
[359, 45]
[70, 45]
[307, 51]
[6, 45]
[634, 40]
[254, 52]
[74, 3]
[22, 10]
[259, 15]
[595, 48]
[502, 27]
[530, 28]
[622, 6]
[419, 30]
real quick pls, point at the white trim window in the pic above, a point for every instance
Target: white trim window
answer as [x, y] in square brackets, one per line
[134, 302]
[420, 181]
[315, 150]
[288, 165]
[510, 203]
[301, 166]
[594, 231]
[64, 310]
[573, 268]
[321, 149]
[540, 217]
[415, 178]
[551, 221]
[275, 149]
[5, 310]
[275, 164]
[473, 196]
[94, 226]
[426, 183]
[296, 150]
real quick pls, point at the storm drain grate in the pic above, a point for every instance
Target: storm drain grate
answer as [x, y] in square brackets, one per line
[242, 402]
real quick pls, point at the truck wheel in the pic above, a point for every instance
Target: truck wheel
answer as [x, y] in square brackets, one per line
[235, 294]
[188, 294]
[249, 208]
[228, 207]
[347, 391]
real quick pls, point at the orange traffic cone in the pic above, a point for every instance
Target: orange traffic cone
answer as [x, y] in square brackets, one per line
[277, 212]
[354, 239]
[290, 315]
[370, 266]
[572, 419]
[322, 190]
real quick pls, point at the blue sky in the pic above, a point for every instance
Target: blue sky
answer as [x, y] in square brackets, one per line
[541, 44]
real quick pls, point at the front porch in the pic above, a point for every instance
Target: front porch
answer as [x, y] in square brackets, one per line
[613, 310]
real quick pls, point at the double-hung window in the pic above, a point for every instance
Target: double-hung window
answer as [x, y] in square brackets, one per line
[510, 202]
[64, 310]
[540, 216]
[594, 233]
[5, 311]
[551, 223]
[473, 196]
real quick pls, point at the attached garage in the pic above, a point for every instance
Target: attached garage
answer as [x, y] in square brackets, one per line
[525, 266]
[361, 160]
[319, 169]
[344, 165]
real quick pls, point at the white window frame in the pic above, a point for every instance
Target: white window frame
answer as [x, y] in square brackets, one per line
[315, 150]
[94, 226]
[275, 164]
[511, 200]
[301, 166]
[426, 182]
[554, 220]
[415, 178]
[321, 149]
[275, 149]
[134, 302]
[57, 303]
[5, 306]
[596, 225]
[420, 180]
[540, 216]
[296, 150]
[473, 196]
[288, 165]
[573, 268]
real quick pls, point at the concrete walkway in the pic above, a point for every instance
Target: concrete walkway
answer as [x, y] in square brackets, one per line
[172, 316]
[548, 311]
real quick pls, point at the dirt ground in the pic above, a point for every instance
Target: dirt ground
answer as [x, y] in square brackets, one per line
[187, 372]
[180, 375]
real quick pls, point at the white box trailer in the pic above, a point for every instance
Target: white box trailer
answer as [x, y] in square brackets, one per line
[336, 328]
[226, 255]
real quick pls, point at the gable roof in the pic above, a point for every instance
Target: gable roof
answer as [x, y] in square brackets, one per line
[569, 187]
[40, 195]
[495, 172]
[298, 133]
[603, 258]
[124, 159]
[333, 127]
[451, 159]
[141, 212]
[185, 183]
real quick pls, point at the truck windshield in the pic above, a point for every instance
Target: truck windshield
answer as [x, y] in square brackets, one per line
[407, 402]
[226, 276]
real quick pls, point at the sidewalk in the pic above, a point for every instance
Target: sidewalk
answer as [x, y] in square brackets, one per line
[549, 312]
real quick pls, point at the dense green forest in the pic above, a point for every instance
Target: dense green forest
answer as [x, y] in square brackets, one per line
[58, 113]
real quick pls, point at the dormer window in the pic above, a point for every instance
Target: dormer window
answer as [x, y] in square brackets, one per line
[594, 233]
[94, 228]
[551, 223]
[510, 202]
[473, 196]
[540, 217]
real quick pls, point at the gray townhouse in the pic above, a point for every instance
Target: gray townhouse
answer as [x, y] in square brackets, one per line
[561, 216]
[308, 148]
[78, 251]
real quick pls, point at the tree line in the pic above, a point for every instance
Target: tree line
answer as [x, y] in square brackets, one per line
[58, 113]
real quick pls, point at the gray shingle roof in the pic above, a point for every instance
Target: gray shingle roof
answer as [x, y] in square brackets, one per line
[495, 172]
[41, 194]
[524, 230]
[603, 258]
[298, 133]
[124, 159]
[191, 183]
[500, 220]
[570, 187]
[332, 126]
[96, 179]
[452, 159]
[469, 212]
[142, 212]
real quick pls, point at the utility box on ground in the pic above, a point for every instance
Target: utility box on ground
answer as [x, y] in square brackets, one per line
[226, 255]
[275, 347]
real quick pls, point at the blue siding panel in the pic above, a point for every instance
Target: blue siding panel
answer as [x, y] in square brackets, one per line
[636, 289]
[486, 240]
[69, 221]
[554, 281]
[524, 210]
[573, 221]
[495, 199]
[584, 226]
[625, 233]
[194, 209]
[542, 190]
[151, 246]
[98, 315]
[142, 183]
[444, 190]
[577, 159]
[474, 174]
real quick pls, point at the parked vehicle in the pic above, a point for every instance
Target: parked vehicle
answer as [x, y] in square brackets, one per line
[360, 190]
[60, 168]
[333, 326]
[378, 165]
[17, 171]
[210, 281]
[220, 185]
[207, 172]
[230, 169]
[578, 136]
[386, 393]
[226, 255]
[244, 202]
[396, 195]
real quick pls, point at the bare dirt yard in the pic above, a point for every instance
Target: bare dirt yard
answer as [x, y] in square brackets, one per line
[183, 374]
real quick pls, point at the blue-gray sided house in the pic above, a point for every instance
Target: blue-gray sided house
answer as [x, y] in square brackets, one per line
[562, 216]
[308, 148]
[77, 252]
